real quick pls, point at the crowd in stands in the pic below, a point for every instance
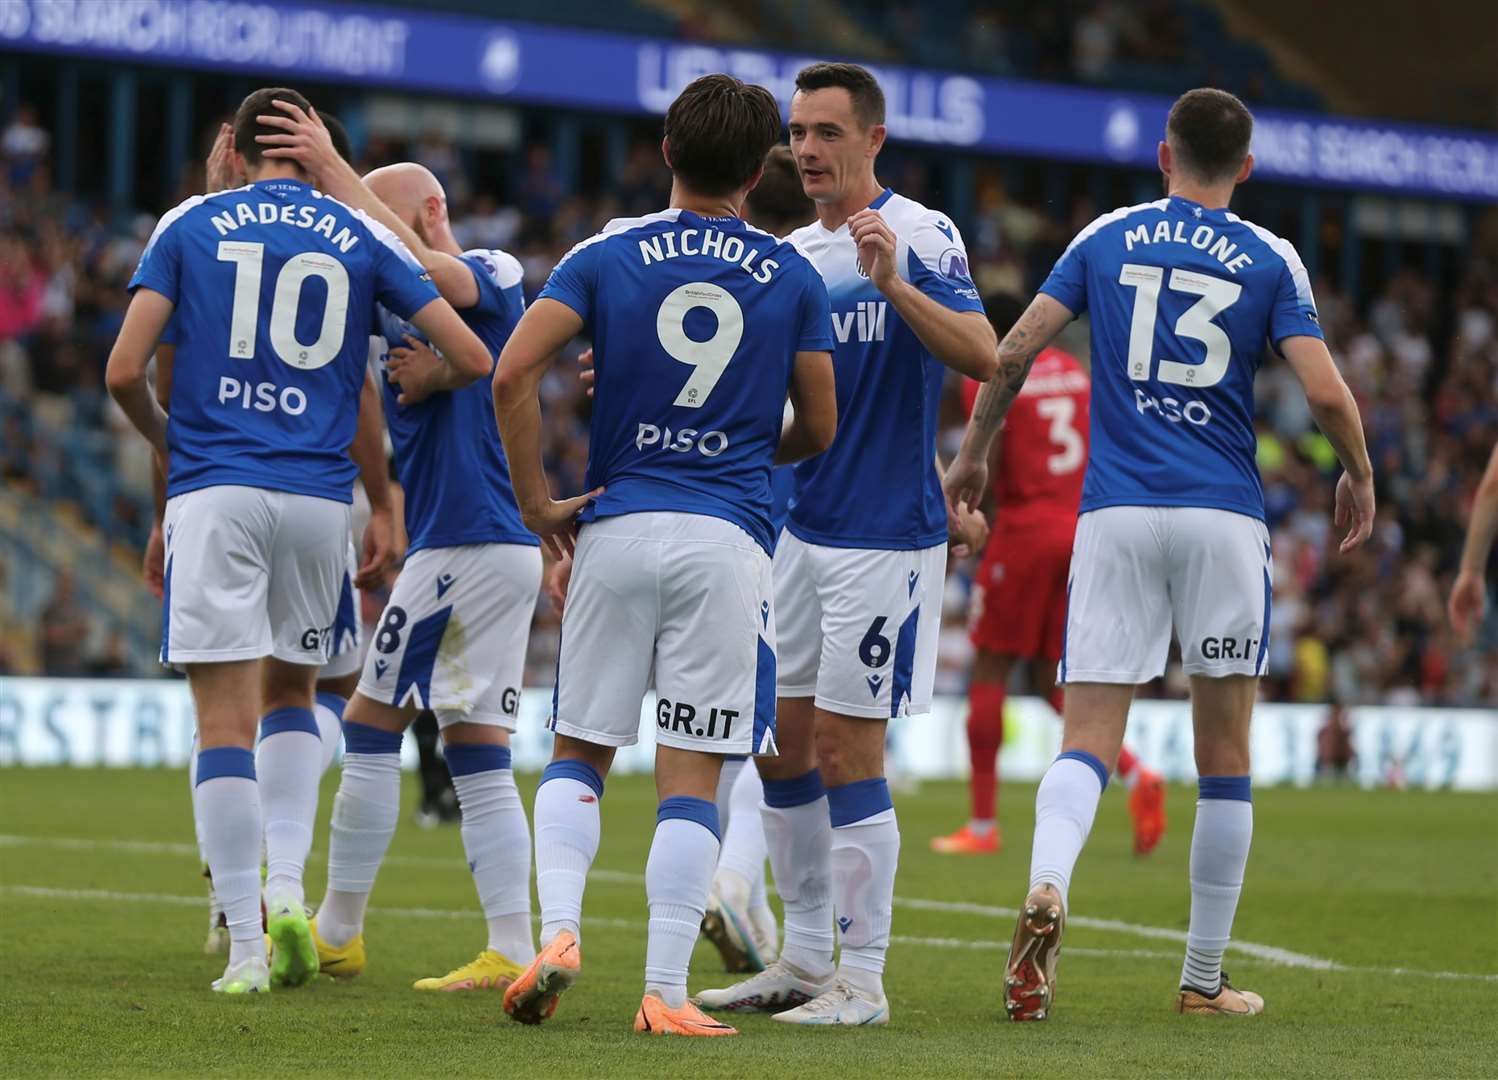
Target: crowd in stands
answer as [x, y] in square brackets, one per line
[1364, 629]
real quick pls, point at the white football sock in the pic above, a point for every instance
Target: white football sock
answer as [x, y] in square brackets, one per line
[567, 829]
[865, 854]
[227, 806]
[328, 710]
[288, 763]
[1219, 852]
[677, 878]
[798, 834]
[741, 863]
[1065, 804]
[365, 812]
[497, 840]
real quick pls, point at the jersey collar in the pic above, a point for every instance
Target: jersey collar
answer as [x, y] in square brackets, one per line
[1196, 208]
[879, 200]
[728, 224]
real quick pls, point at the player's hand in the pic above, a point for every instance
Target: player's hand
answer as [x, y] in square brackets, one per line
[555, 522]
[967, 531]
[1354, 511]
[221, 174]
[558, 576]
[304, 139]
[379, 553]
[412, 368]
[965, 483]
[587, 375]
[154, 564]
[1468, 605]
[876, 247]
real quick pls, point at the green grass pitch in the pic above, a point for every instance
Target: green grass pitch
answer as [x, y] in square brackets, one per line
[101, 973]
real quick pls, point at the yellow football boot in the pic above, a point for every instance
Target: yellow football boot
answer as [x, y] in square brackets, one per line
[341, 963]
[490, 970]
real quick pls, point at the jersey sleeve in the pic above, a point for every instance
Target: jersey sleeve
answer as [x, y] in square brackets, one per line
[1294, 311]
[400, 282]
[574, 281]
[160, 266]
[936, 263]
[499, 276]
[1067, 282]
[815, 332]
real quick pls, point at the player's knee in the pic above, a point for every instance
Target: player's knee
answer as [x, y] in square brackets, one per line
[566, 748]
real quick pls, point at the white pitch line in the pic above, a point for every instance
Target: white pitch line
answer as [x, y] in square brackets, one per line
[1271, 954]
[42, 892]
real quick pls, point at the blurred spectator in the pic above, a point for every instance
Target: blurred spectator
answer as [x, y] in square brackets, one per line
[23, 146]
[64, 629]
[1334, 749]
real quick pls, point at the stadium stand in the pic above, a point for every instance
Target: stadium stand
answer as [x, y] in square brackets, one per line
[1419, 348]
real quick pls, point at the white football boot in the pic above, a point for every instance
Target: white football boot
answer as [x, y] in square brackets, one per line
[840, 1005]
[251, 976]
[774, 989]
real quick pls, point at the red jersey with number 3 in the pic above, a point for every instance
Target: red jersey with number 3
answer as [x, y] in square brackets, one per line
[1042, 447]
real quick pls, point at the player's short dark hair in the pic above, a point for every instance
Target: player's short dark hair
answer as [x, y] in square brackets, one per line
[859, 81]
[1209, 132]
[1003, 310]
[339, 134]
[246, 127]
[719, 130]
[778, 203]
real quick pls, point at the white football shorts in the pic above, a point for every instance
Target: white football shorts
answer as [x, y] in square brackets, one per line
[681, 601]
[1139, 571]
[859, 627]
[345, 657]
[251, 573]
[452, 638]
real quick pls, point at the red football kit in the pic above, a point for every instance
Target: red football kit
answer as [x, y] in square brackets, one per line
[1019, 595]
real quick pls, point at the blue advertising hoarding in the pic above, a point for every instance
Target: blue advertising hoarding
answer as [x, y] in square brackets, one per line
[439, 52]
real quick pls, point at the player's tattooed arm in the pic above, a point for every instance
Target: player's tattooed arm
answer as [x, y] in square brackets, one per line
[546, 326]
[1469, 600]
[304, 139]
[962, 340]
[967, 477]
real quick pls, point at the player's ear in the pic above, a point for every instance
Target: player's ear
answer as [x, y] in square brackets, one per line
[877, 135]
[666, 151]
[759, 174]
[1245, 170]
[1162, 157]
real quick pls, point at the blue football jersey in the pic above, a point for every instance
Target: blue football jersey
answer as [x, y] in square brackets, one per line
[447, 449]
[695, 324]
[877, 485]
[1182, 300]
[275, 287]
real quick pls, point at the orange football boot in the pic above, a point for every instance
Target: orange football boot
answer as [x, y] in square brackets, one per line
[1147, 808]
[967, 842]
[657, 1018]
[533, 996]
